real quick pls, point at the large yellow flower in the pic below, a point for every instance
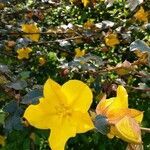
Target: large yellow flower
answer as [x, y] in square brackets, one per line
[141, 15]
[23, 53]
[31, 28]
[111, 40]
[63, 109]
[124, 122]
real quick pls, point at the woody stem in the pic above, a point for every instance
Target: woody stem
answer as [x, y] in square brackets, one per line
[147, 130]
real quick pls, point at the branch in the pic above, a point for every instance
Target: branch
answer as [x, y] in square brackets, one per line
[145, 129]
[138, 88]
[24, 33]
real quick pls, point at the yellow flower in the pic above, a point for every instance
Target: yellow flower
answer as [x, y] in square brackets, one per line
[2, 140]
[79, 52]
[31, 28]
[124, 122]
[42, 61]
[24, 53]
[89, 24]
[111, 40]
[86, 2]
[141, 15]
[63, 109]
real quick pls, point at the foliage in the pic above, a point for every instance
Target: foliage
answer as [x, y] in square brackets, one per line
[103, 43]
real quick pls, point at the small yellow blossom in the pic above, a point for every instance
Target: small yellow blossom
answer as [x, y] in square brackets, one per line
[89, 24]
[31, 28]
[42, 61]
[124, 122]
[64, 110]
[23, 53]
[86, 2]
[111, 40]
[79, 52]
[2, 5]
[141, 15]
[2, 140]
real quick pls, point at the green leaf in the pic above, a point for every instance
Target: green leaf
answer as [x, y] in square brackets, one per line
[101, 124]
[13, 120]
[134, 3]
[26, 144]
[139, 45]
[4, 68]
[10, 107]
[25, 74]
[2, 117]
[109, 2]
[32, 97]
[18, 85]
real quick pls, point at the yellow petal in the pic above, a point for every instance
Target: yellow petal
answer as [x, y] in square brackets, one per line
[53, 93]
[79, 53]
[123, 96]
[85, 2]
[104, 105]
[78, 94]
[141, 15]
[110, 136]
[128, 130]
[2, 140]
[42, 115]
[112, 132]
[137, 115]
[31, 28]
[24, 52]
[121, 101]
[111, 40]
[83, 121]
[59, 136]
[116, 114]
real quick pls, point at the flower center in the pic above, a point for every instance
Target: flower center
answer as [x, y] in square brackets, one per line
[64, 111]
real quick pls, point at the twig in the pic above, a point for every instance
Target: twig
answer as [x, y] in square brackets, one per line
[24, 33]
[138, 88]
[145, 129]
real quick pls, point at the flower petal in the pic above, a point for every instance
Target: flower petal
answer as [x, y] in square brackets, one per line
[137, 115]
[112, 132]
[59, 136]
[128, 130]
[42, 115]
[104, 105]
[78, 94]
[121, 101]
[83, 121]
[116, 114]
[53, 93]
[122, 96]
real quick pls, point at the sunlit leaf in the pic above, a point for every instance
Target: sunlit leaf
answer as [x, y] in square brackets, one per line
[134, 3]
[109, 2]
[139, 45]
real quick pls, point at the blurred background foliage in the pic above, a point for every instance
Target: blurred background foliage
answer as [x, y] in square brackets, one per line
[66, 26]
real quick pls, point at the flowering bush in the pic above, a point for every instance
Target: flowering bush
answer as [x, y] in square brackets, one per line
[74, 75]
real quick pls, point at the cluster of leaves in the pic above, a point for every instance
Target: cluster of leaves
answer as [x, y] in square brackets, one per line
[103, 43]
